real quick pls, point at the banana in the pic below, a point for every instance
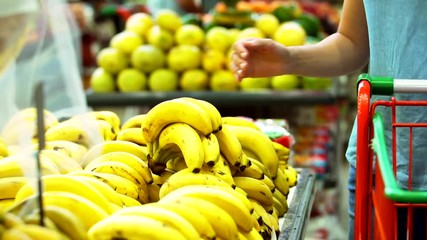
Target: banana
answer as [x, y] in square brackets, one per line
[102, 187]
[117, 183]
[66, 221]
[211, 149]
[12, 166]
[229, 202]
[72, 149]
[280, 149]
[176, 163]
[252, 170]
[292, 176]
[187, 140]
[10, 220]
[220, 170]
[14, 234]
[282, 200]
[168, 217]
[210, 109]
[64, 163]
[133, 227]
[127, 158]
[262, 213]
[153, 192]
[191, 214]
[255, 189]
[281, 183]
[133, 122]
[221, 221]
[252, 235]
[280, 207]
[133, 134]
[24, 121]
[260, 144]
[269, 183]
[5, 204]
[88, 212]
[109, 116]
[244, 163]
[163, 157]
[173, 111]
[113, 146]
[37, 232]
[186, 177]
[4, 151]
[128, 201]
[229, 146]
[9, 186]
[161, 178]
[68, 184]
[240, 121]
[259, 164]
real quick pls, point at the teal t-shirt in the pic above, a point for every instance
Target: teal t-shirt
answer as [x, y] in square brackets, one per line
[398, 48]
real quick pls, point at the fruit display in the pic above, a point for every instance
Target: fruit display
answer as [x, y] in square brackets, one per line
[168, 52]
[180, 170]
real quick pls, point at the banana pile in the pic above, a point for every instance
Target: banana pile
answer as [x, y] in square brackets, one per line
[181, 170]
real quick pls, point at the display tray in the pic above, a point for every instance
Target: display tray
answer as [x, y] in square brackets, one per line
[225, 98]
[300, 202]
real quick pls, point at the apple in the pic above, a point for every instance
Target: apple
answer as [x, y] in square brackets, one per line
[102, 81]
[223, 80]
[126, 41]
[285, 82]
[131, 80]
[148, 58]
[139, 22]
[111, 60]
[184, 57]
[168, 19]
[163, 79]
[249, 84]
[190, 34]
[218, 38]
[194, 80]
[213, 60]
[290, 34]
[160, 38]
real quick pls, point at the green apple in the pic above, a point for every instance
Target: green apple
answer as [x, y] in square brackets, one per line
[160, 38]
[139, 22]
[194, 80]
[184, 57]
[148, 58]
[131, 80]
[102, 81]
[163, 79]
[250, 84]
[285, 82]
[190, 34]
[316, 83]
[111, 60]
[168, 19]
[213, 60]
[223, 80]
[126, 41]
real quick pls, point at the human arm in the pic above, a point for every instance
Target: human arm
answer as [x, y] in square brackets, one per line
[343, 52]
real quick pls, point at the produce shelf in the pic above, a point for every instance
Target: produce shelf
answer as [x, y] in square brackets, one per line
[300, 201]
[225, 99]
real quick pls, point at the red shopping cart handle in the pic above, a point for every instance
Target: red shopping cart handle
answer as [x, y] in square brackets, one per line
[388, 85]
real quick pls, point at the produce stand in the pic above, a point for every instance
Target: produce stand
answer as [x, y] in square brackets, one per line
[300, 202]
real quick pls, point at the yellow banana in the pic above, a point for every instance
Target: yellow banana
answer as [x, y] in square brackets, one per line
[113, 146]
[220, 170]
[211, 149]
[128, 201]
[229, 146]
[153, 192]
[133, 227]
[280, 149]
[268, 182]
[252, 235]
[119, 184]
[292, 176]
[260, 144]
[281, 183]
[252, 170]
[127, 158]
[4, 151]
[66, 221]
[37, 232]
[210, 109]
[281, 198]
[260, 165]
[168, 217]
[9, 186]
[13, 234]
[5, 204]
[191, 214]
[133, 134]
[221, 221]
[186, 177]
[161, 178]
[109, 116]
[134, 122]
[280, 207]
[176, 163]
[255, 189]
[240, 121]
[68, 184]
[10, 220]
[172, 111]
[102, 187]
[158, 161]
[229, 202]
[71, 149]
[12, 166]
[64, 163]
[186, 138]
[261, 212]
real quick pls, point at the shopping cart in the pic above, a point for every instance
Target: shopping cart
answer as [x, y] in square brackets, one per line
[376, 207]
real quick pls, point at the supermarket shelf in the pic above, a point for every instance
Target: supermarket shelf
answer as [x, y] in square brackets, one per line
[224, 99]
[296, 219]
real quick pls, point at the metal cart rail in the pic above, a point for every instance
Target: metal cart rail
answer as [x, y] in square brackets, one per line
[376, 206]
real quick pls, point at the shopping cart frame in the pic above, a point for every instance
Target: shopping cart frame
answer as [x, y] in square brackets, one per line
[376, 209]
